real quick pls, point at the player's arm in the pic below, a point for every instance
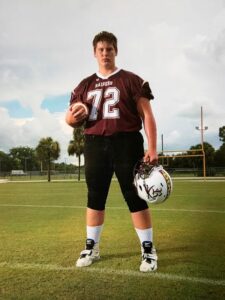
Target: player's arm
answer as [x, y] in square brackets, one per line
[146, 114]
[76, 114]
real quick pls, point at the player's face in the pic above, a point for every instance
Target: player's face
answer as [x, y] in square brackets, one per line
[105, 54]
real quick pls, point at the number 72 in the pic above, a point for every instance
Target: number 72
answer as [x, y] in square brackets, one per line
[111, 97]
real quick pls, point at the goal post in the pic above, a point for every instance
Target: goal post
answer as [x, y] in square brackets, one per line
[184, 153]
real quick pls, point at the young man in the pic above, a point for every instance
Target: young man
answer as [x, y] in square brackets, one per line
[114, 103]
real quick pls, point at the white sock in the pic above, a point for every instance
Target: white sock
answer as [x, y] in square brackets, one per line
[145, 234]
[94, 232]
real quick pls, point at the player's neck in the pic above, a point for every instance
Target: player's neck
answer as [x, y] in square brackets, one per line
[107, 71]
[103, 76]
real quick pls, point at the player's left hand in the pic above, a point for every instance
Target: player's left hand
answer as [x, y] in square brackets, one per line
[151, 157]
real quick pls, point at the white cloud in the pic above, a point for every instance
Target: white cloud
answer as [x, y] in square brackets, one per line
[28, 132]
[178, 45]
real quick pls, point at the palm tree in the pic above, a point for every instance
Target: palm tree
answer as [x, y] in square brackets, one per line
[48, 151]
[222, 134]
[76, 146]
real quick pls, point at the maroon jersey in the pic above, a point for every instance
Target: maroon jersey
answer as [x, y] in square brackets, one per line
[112, 102]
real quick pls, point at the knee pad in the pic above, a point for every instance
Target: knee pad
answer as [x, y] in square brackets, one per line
[134, 202]
[96, 200]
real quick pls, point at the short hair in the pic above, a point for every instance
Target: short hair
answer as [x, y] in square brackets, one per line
[105, 36]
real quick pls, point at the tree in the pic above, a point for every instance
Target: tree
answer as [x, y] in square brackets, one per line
[48, 151]
[209, 159]
[209, 154]
[222, 134]
[220, 153]
[23, 158]
[76, 146]
[5, 162]
[220, 156]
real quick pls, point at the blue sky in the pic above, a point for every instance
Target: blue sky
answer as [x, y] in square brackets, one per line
[53, 104]
[16, 110]
[177, 45]
[56, 104]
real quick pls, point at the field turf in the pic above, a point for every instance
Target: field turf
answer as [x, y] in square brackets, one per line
[42, 231]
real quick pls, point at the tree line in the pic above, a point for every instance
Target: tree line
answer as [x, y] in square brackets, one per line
[214, 158]
[47, 151]
[41, 157]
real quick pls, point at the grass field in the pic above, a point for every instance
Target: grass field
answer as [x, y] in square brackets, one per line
[42, 228]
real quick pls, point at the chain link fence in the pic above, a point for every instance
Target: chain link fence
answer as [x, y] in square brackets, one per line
[60, 175]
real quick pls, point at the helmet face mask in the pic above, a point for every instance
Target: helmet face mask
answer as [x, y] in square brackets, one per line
[153, 183]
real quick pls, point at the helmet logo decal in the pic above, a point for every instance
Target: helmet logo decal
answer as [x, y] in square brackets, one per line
[152, 192]
[168, 182]
[153, 184]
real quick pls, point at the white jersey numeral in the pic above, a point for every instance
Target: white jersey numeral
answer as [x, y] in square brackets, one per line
[96, 96]
[109, 111]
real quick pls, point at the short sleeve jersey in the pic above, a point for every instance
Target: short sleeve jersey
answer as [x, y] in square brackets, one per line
[112, 102]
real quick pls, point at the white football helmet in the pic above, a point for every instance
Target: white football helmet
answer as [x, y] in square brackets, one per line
[153, 183]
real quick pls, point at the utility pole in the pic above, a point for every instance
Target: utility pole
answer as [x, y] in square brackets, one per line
[162, 148]
[202, 128]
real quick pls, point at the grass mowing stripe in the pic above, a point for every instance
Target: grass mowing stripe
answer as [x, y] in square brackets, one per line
[113, 207]
[158, 275]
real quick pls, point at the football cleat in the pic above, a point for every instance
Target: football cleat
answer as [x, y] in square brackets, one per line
[89, 255]
[149, 257]
[153, 184]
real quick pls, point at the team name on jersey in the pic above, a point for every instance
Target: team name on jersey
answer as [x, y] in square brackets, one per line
[104, 83]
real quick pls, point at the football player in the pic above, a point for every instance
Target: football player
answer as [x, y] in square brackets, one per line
[114, 105]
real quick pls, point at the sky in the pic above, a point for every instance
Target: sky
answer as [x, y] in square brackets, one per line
[46, 50]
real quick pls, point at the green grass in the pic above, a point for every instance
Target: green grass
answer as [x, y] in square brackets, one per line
[42, 231]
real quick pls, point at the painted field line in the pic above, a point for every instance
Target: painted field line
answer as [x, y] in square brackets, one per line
[107, 271]
[190, 210]
[42, 206]
[113, 207]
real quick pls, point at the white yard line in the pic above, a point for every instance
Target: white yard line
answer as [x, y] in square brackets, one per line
[113, 207]
[157, 275]
[190, 210]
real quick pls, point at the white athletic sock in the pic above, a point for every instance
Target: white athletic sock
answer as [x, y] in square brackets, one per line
[145, 234]
[94, 232]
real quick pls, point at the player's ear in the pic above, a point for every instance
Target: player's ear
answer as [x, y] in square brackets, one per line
[94, 52]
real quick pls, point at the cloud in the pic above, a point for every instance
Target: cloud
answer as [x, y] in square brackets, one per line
[28, 131]
[45, 50]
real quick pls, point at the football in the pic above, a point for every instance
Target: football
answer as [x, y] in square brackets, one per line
[78, 106]
[77, 114]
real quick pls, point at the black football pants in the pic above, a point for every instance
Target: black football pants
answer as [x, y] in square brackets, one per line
[105, 155]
